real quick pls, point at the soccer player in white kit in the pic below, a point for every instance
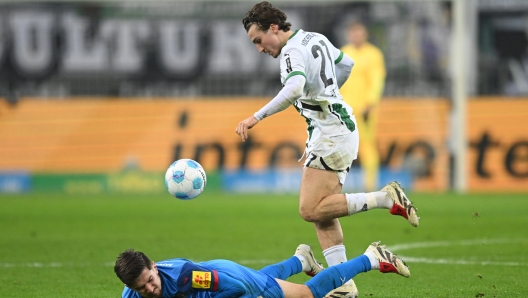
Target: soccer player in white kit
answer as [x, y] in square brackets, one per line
[312, 70]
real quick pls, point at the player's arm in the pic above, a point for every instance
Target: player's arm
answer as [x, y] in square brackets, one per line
[195, 278]
[229, 287]
[293, 63]
[292, 90]
[343, 65]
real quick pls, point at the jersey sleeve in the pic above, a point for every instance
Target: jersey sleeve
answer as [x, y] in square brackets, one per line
[291, 91]
[338, 54]
[343, 66]
[229, 287]
[293, 63]
[194, 278]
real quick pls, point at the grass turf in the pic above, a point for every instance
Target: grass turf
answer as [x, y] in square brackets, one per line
[57, 245]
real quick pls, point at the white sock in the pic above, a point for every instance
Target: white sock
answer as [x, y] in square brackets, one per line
[304, 263]
[374, 263]
[378, 199]
[356, 202]
[335, 255]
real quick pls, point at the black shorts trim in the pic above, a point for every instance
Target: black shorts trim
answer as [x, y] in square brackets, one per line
[311, 159]
[311, 107]
[325, 165]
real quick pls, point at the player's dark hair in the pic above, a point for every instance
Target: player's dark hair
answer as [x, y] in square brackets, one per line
[263, 14]
[130, 264]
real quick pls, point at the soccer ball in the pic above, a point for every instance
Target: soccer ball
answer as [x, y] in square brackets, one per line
[185, 179]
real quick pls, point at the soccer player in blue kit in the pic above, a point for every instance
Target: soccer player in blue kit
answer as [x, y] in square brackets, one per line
[183, 278]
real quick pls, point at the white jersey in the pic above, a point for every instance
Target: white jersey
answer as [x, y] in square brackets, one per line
[313, 56]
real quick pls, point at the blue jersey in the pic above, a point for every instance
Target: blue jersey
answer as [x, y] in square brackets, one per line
[216, 278]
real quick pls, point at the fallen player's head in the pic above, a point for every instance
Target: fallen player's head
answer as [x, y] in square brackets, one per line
[138, 273]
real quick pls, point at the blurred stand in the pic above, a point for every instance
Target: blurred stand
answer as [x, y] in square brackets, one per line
[84, 85]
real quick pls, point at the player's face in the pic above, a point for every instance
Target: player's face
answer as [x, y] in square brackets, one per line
[357, 35]
[148, 283]
[267, 42]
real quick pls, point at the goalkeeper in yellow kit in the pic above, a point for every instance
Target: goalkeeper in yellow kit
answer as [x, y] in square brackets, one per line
[362, 91]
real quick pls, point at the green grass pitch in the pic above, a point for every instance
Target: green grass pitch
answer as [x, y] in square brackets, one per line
[56, 245]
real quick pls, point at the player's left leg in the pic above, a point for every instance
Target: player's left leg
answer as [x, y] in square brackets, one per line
[335, 276]
[368, 149]
[330, 282]
[327, 280]
[310, 265]
[369, 162]
[320, 202]
[302, 261]
[368, 146]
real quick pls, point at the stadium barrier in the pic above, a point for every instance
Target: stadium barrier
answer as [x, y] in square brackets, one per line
[114, 136]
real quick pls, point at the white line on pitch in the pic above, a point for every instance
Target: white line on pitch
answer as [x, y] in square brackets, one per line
[407, 246]
[459, 262]
[395, 248]
[52, 265]
[484, 241]
[108, 264]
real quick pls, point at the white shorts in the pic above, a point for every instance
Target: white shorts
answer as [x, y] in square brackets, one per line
[334, 153]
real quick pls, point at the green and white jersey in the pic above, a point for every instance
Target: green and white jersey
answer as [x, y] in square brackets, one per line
[313, 56]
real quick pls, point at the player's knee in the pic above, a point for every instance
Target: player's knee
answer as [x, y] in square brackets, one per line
[309, 214]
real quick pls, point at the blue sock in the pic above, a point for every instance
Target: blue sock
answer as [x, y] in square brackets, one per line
[335, 276]
[284, 269]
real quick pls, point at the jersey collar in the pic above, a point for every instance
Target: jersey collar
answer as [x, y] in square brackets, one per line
[294, 33]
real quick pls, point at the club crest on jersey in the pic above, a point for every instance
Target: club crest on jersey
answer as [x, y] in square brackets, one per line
[201, 280]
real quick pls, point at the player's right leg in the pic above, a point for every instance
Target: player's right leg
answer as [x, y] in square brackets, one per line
[391, 197]
[320, 202]
[302, 261]
[309, 264]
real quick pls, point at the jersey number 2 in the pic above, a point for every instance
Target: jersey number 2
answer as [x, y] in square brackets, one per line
[316, 50]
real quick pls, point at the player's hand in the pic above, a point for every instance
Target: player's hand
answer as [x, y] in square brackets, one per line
[244, 125]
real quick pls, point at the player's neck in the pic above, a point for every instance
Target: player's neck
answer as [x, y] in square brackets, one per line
[285, 36]
[359, 45]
